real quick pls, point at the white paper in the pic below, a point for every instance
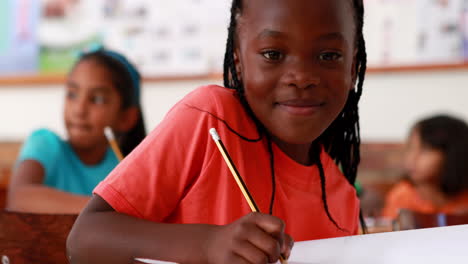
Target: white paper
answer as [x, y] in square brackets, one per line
[423, 246]
[151, 261]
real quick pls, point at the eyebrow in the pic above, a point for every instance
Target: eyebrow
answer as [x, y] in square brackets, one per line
[94, 89]
[268, 33]
[101, 89]
[332, 36]
[71, 84]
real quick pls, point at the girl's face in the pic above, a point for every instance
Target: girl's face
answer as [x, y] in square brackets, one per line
[422, 163]
[92, 103]
[296, 61]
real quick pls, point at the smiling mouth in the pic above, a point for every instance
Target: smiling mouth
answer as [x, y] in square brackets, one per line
[300, 107]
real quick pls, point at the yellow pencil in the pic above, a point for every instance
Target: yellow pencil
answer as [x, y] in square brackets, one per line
[237, 177]
[113, 143]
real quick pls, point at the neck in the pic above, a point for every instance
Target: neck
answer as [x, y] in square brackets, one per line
[298, 152]
[91, 156]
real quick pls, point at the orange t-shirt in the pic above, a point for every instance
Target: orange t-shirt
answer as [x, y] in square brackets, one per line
[177, 174]
[405, 196]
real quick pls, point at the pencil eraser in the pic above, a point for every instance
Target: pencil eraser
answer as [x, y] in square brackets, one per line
[108, 133]
[214, 134]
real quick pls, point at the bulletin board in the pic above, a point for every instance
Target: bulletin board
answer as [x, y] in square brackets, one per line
[163, 38]
[183, 39]
[416, 32]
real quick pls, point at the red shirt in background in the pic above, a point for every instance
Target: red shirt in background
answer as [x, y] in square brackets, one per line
[405, 196]
[177, 175]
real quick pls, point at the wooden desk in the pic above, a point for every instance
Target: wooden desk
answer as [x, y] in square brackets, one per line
[8, 154]
[3, 194]
[34, 238]
[4, 180]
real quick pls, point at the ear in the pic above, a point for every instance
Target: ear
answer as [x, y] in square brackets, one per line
[354, 70]
[237, 63]
[128, 119]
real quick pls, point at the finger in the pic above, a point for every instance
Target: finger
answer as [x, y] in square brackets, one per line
[237, 259]
[250, 253]
[287, 246]
[273, 226]
[268, 244]
[270, 224]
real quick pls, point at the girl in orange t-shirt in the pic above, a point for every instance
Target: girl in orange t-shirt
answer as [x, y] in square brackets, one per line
[293, 73]
[437, 168]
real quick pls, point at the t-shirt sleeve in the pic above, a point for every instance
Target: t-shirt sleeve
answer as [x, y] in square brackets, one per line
[42, 146]
[153, 179]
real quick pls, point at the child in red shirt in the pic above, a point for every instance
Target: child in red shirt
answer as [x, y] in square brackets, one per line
[289, 121]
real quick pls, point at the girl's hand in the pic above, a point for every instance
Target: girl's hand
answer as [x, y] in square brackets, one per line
[254, 238]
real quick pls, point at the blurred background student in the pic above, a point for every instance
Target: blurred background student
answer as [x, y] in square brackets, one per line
[53, 175]
[436, 164]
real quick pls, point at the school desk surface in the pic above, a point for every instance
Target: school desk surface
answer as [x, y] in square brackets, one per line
[34, 238]
[422, 246]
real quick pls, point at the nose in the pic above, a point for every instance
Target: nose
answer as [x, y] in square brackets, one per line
[301, 74]
[80, 106]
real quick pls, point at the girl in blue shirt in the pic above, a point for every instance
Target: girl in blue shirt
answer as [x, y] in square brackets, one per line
[53, 175]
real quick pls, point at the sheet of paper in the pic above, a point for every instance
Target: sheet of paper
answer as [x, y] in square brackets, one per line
[151, 261]
[422, 246]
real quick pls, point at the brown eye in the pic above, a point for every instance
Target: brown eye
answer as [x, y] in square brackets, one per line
[330, 56]
[272, 55]
[98, 99]
[71, 95]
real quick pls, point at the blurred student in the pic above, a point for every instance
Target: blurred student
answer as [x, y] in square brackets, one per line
[53, 175]
[437, 167]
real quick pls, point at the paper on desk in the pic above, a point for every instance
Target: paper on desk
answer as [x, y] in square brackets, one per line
[422, 246]
[151, 261]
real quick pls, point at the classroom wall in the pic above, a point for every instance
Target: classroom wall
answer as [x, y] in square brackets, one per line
[390, 104]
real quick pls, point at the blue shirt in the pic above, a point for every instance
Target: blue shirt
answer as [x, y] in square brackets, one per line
[63, 168]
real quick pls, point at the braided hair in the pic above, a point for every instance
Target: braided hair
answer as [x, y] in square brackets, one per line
[342, 138]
